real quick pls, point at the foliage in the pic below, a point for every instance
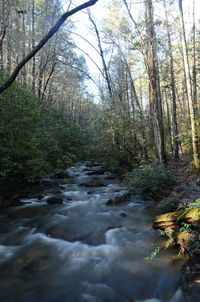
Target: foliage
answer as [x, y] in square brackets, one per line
[118, 139]
[153, 254]
[34, 140]
[149, 181]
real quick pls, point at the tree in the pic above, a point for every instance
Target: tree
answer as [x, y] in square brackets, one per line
[172, 86]
[154, 83]
[45, 39]
[195, 139]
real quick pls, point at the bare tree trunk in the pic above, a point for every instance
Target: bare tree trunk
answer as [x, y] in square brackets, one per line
[107, 77]
[173, 90]
[154, 84]
[195, 141]
[2, 35]
[47, 81]
[194, 73]
[33, 45]
[9, 39]
[24, 69]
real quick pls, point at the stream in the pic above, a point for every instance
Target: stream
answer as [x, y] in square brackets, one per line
[84, 250]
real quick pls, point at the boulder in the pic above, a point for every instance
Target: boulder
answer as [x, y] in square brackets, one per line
[61, 175]
[54, 200]
[175, 219]
[172, 224]
[39, 197]
[90, 192]
[119, 199]
[119, 189]
[93, 183]
[2, 203]
[110, 177]
[123, 215]
[114, 227]
[96, 172]
[93, 164]
[18, 197]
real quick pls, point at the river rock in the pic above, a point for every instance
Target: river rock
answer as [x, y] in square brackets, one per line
[123, 215]
[96, 172]
[119, 189]
[61, 175]
[110, 177]
[39, 197]
[22, 195]
[121, 198]
[2, 203]
[90, 192]
[113, 227]
[93, 164]
[54, 200]
[190, 215]
[93, 183]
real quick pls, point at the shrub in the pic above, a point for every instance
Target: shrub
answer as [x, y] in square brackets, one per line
[149, 181]
[34, 139]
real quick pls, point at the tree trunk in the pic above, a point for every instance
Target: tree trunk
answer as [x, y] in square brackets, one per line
[107, 77]
[154, 84]
[173, 90]
[195, 142]
[2, 35]
[33, 45]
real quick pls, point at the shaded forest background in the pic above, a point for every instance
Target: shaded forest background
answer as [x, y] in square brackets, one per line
[148, 105]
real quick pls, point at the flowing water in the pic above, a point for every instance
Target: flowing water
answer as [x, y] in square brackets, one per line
[83, 250]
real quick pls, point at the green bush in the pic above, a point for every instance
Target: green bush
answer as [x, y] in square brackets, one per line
[149, 181]
[34, 139]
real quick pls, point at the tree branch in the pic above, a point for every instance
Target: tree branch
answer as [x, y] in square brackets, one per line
[52, 31]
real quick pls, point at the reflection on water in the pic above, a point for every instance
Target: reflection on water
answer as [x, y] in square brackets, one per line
[83, 250]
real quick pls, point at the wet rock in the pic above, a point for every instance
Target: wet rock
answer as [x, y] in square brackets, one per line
[96, 172]
[54, 200]
[110, 177]
[2, 204]
[121, 198]
[39, 197]
[93, 183]
[61, 175]
[57, 191]
[19, 203]
[18, 197]
[114, 227]
[50, 183]
[119, 189]
[123, 215]
[190, 215]
[93, 164]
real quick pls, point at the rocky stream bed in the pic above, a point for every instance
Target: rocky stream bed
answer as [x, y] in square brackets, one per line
[84, 238]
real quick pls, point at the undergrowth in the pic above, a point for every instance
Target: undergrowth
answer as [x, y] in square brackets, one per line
[149, 181]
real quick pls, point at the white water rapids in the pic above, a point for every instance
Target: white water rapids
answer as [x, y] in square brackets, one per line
[83, 250]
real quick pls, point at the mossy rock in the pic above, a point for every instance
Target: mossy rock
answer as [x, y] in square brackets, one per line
[193, 213]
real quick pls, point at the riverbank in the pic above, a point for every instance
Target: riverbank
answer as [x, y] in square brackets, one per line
[185, 192]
